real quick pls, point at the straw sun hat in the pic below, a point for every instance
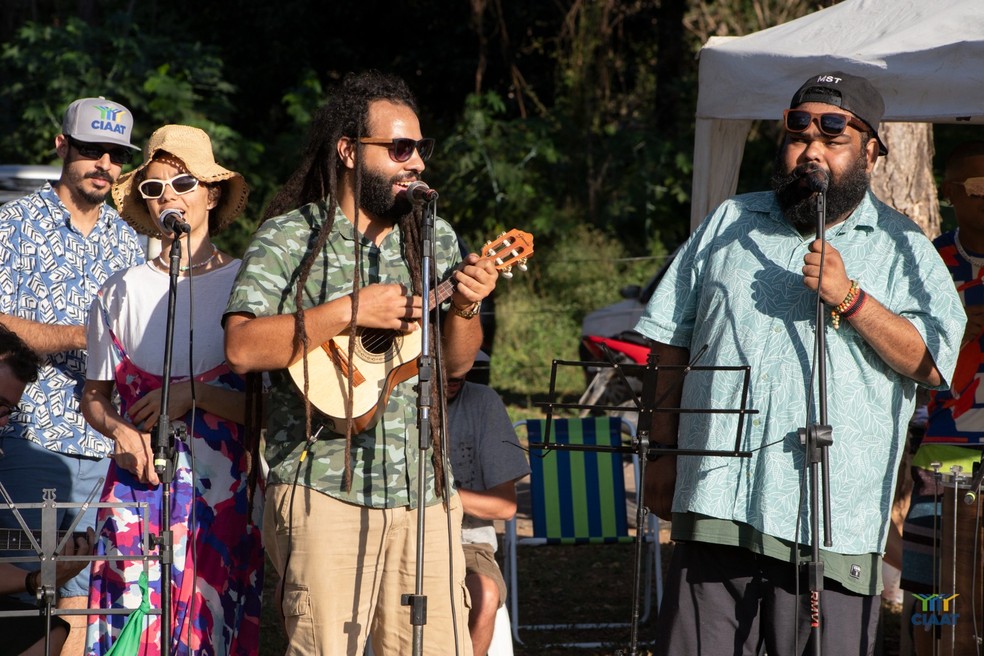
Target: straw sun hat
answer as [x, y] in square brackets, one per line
[194, 148]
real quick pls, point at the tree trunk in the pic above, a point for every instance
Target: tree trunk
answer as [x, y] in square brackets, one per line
[904, 179]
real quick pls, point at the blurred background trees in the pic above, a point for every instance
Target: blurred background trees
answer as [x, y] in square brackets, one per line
[572, 119]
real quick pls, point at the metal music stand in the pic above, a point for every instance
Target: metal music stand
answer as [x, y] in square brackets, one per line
[48, 551]
[646, 406]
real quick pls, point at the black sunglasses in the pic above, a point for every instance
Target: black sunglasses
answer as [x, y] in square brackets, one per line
[118, 156]
[830, 124]
[401, 149]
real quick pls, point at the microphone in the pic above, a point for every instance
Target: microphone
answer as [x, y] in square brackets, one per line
[975, 484]
[817, 179]
[419, 192]
[173, 221]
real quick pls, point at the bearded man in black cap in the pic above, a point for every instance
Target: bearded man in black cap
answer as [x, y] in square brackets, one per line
[743, 292]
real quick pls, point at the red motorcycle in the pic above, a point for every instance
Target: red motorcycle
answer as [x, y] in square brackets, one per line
[614, 370]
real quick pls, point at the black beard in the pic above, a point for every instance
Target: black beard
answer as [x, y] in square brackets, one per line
[799, 203]
[92, 198]
[377, 198]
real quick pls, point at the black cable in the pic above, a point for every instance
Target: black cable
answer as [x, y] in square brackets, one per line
[193, 516]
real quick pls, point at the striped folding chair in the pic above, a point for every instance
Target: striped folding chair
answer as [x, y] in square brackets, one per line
[578, 497]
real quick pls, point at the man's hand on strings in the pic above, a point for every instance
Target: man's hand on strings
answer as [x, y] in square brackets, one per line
[389, 306]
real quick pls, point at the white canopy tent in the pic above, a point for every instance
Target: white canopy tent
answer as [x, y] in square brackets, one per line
[926, 57]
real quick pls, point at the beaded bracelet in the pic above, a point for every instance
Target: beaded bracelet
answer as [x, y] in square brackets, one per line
[845, 305]
[859, 301]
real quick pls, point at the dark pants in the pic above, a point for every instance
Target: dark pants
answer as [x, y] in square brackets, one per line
[19, 633]
[722, 600]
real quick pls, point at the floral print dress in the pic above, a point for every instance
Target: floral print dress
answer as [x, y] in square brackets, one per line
[217, 571]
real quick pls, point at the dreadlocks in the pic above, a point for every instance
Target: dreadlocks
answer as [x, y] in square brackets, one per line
[346, 115]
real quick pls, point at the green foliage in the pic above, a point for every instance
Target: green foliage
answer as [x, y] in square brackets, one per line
[585, 270]
[492, 170]
[562, 123]
[539, 313]
[531, 332]
[159, 78]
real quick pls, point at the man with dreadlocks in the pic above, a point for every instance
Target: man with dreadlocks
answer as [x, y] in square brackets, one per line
[341, 518]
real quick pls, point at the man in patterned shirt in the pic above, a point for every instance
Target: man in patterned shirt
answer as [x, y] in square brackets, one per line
[341, 506]
[743, 292]
[57, 246]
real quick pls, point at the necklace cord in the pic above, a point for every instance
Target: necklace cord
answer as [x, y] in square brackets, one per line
[205, 262]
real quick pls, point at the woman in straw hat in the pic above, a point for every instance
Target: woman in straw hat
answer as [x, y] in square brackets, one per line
[218, 559]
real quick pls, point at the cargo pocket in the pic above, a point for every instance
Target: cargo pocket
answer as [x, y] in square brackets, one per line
[296, 601]
[298, 620]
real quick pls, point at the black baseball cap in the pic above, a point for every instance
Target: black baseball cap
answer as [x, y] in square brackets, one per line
[849, 92]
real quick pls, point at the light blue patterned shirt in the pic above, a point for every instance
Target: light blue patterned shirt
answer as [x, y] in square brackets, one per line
[50, 273]
[737, 287]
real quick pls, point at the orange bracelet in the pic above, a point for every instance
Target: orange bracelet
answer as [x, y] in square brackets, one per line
[845, 305]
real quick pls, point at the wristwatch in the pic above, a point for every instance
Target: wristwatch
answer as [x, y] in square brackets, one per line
[469, 312]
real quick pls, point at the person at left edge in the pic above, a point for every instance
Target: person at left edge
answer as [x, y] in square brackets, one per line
[29, 636]
[57, 246]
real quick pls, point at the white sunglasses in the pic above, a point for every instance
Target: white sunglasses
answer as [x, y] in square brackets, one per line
[181, 184]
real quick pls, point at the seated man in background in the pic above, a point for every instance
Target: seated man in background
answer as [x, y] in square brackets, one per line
[486, 461]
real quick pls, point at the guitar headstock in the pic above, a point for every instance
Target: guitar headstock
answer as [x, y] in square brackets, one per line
[510, 248]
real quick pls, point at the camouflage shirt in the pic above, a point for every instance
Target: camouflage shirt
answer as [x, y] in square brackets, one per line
[384, 458]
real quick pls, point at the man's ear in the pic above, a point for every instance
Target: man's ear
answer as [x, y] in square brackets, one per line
[346, 152]
[871, 153]
[61, 146]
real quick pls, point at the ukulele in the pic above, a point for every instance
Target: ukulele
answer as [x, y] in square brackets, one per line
[383, 358]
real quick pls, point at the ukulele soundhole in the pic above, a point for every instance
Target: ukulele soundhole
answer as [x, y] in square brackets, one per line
[378, 344]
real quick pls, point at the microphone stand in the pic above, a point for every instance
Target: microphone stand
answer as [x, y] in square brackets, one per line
[817, 438]
[164, 436]
[418, 601]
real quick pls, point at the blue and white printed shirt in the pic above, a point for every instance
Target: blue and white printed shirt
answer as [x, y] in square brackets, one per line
[50, 273]
[737, 287]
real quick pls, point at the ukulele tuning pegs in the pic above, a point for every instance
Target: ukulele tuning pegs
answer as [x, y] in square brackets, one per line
[508, 250]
